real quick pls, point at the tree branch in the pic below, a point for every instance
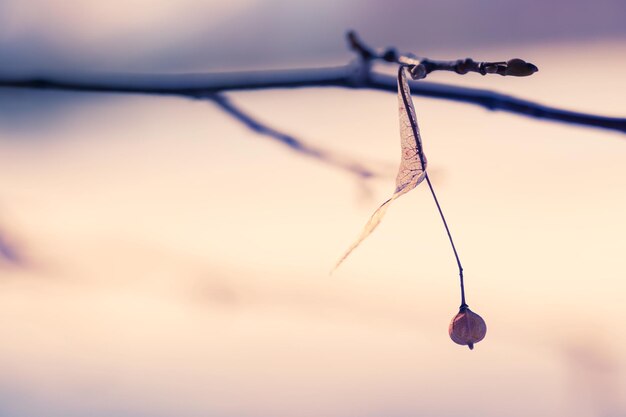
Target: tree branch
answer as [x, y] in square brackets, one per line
[357, 74]
[495, 101]
[420, 67]
[290, 141]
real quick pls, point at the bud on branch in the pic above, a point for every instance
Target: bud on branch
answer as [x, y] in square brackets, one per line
[420, 67]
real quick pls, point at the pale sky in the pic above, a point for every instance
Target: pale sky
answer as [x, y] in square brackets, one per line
[198, 35]
[176, 264]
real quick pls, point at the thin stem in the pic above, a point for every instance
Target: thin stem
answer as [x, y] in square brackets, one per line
[411, 114]
[456, 255]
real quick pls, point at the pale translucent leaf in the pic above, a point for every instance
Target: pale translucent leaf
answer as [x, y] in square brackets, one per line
[412, 160]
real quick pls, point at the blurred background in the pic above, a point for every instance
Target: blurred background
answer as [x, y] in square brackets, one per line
[158, 258]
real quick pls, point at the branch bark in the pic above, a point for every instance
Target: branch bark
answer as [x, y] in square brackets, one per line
[349, 76]
[357, 74]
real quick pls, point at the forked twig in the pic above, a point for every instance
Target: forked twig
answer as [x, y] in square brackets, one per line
[290, 141]
[357, 74]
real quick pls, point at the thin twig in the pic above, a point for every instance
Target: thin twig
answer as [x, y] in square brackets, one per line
[420, 67]
[495, 101]
[290, 141]
[358, 74]
[195, 85]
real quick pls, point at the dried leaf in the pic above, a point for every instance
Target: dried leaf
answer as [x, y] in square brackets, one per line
[413, 162]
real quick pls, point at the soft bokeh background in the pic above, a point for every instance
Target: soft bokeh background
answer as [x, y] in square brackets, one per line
[159, 259]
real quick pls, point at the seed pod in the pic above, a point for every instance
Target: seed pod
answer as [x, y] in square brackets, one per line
[467, 328]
